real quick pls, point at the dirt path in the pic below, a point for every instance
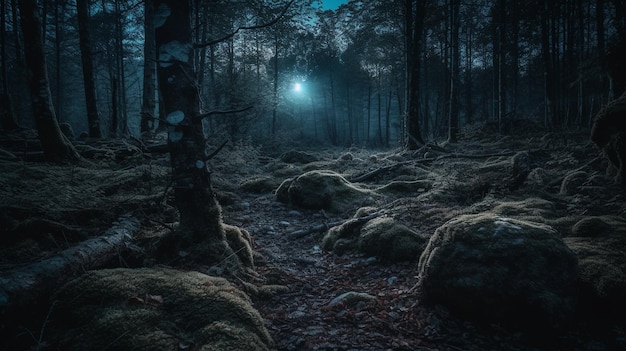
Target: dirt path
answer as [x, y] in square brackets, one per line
[309, 318]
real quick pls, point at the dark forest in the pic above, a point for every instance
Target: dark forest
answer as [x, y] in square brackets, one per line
[313, 175]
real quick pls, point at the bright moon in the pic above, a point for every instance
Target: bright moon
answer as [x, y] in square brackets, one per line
[297, 87]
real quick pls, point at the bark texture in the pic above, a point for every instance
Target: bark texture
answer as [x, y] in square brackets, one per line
[201, 233]
[55, 146]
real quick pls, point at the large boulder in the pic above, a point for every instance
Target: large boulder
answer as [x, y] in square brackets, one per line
[600, 245]
[322, 189]
[502, 270]
[155, 309]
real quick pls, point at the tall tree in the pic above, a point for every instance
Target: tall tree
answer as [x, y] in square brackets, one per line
[7, 116]
[56, 147]
[201, 230]
[93, 118]
[149, 69]
[414, 15]
[455, 76]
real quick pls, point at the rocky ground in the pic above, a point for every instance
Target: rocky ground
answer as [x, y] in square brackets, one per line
[342, 298]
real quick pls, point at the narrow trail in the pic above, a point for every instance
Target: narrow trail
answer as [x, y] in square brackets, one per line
[308, 317]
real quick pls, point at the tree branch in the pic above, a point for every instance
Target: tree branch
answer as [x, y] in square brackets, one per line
[219, 112]
[232, 34]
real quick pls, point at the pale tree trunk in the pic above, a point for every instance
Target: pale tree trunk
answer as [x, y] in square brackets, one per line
[201, 231]
[55, 146]
[149, 75]
[93, 117]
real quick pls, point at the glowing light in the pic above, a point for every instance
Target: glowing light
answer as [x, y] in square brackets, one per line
[297, 87]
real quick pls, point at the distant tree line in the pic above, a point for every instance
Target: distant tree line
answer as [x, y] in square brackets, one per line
[376, 73]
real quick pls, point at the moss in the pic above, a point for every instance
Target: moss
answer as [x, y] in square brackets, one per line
[385, 238]
[259, 185]
[240, 242]
[322, 189]
[155, 309]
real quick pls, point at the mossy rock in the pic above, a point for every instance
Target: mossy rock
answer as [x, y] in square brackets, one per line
[390, 240]
[533, 208]
[501, 270]
[294, 156]
[322, 189]
[344, 237]
[154, 309]
[259, 185]
[382, 237]
[600, 244]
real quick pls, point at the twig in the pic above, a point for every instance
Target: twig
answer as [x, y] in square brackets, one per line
[43, 326]
[216, 151]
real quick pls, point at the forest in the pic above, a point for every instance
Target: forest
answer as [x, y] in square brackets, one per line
[313, 175]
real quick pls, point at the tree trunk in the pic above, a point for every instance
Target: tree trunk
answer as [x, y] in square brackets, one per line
[56, 147]
[93, 117]
[453, 126]
[414, 24]
[7, 116]
[149, 66]
[201, 232]
[31, 283]
[121, 69]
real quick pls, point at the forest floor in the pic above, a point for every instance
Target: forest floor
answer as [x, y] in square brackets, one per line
[46, 208]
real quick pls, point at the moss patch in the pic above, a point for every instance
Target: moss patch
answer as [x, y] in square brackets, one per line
[155, 309]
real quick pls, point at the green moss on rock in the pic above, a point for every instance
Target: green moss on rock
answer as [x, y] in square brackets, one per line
[155, 309]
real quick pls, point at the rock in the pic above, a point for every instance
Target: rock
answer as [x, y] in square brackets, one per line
[502, 270]
[600, 245]
[344, 237]
[155, 309]
[351, 298]
[294, 156]
[259, 185]
[323, 189]
[385, 238]
[382, 237]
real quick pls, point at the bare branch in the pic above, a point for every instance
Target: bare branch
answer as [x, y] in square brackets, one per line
[211, 113]
[216, 151]
[232, 34]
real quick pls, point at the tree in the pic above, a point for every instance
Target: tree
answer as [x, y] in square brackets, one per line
[453, 126]
[55, 145]
[93, 117]
[8, 120]
[414, 24]
[149, 69]
[201, 230]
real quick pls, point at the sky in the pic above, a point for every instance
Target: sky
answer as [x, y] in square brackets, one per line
[333, 4]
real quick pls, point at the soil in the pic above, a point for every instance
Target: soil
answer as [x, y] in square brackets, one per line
[47, 208]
